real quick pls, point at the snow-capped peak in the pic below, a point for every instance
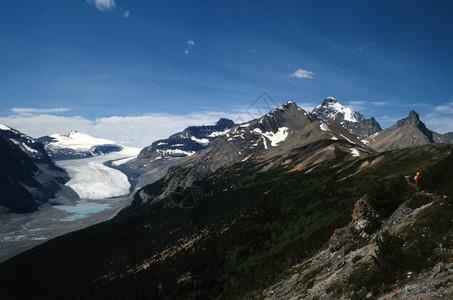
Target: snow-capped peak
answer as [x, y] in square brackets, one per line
[332, 109]
[78, 141]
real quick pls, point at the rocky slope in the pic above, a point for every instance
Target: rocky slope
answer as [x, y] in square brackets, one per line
[29, 177]
[407, 132]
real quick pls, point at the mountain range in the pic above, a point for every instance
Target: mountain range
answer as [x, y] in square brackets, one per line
[263, 210]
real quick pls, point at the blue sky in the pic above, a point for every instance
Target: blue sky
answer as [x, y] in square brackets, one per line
[135, 71]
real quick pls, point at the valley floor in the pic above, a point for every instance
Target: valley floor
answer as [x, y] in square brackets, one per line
[104, 191]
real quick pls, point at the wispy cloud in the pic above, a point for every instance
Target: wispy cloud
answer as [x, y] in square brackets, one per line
[302, 74]
[189, 46]
[103, 4]
[27, 111]
[446, 108]
[440, 118]
[126, 13]
[363, 105]
[363, 46]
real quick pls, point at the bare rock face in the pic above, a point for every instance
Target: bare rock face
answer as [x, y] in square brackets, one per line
[365, 221]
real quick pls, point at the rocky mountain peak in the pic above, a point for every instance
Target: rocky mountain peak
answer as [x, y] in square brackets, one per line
[354, 122]
[407, 132]
[329, 101]
[331, 109]
[287, 115]
[414, 114]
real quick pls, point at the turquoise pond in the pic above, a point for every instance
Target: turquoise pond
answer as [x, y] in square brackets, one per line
[81, 210]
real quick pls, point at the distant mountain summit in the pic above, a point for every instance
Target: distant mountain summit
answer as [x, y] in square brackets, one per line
[331, 109]
[186, 142]
[407, 132]
[77, 145]
[28, 177]
[354, 122]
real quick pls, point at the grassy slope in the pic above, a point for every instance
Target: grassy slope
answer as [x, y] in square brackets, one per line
[248, 230]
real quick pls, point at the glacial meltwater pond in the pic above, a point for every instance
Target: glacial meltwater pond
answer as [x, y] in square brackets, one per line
[81, 210]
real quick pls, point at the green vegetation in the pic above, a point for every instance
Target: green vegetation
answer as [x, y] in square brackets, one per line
[439, 177]
[418, 201]
[386, 195]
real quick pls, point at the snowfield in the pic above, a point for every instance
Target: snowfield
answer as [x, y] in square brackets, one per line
[91, 179]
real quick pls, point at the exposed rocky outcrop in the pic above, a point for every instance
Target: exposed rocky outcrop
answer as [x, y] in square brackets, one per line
[365, 221]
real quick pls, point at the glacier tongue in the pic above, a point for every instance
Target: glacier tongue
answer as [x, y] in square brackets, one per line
[91, 179]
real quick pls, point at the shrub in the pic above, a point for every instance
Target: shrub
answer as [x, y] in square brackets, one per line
[418, 201]
[439, 177]
[385, 195]
[389, 257]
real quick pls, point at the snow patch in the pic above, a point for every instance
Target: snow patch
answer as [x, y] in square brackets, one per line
[347, 139]
[324, 127]
[203, 142]
[355, 152]
[346, 111]
[29, 149]
[4, 127]
[274, 138]
[176, 151]
[122, 161]
[218, 133]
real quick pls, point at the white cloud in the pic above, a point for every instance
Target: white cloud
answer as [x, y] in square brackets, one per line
[137, 131]
[189, 45]
[302, 74]
[103, 4]
[126, 14]
[446, 108]
[363, 106]
[27, 111]
[440, 119]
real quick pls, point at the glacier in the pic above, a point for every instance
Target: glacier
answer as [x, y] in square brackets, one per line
[91, 178]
